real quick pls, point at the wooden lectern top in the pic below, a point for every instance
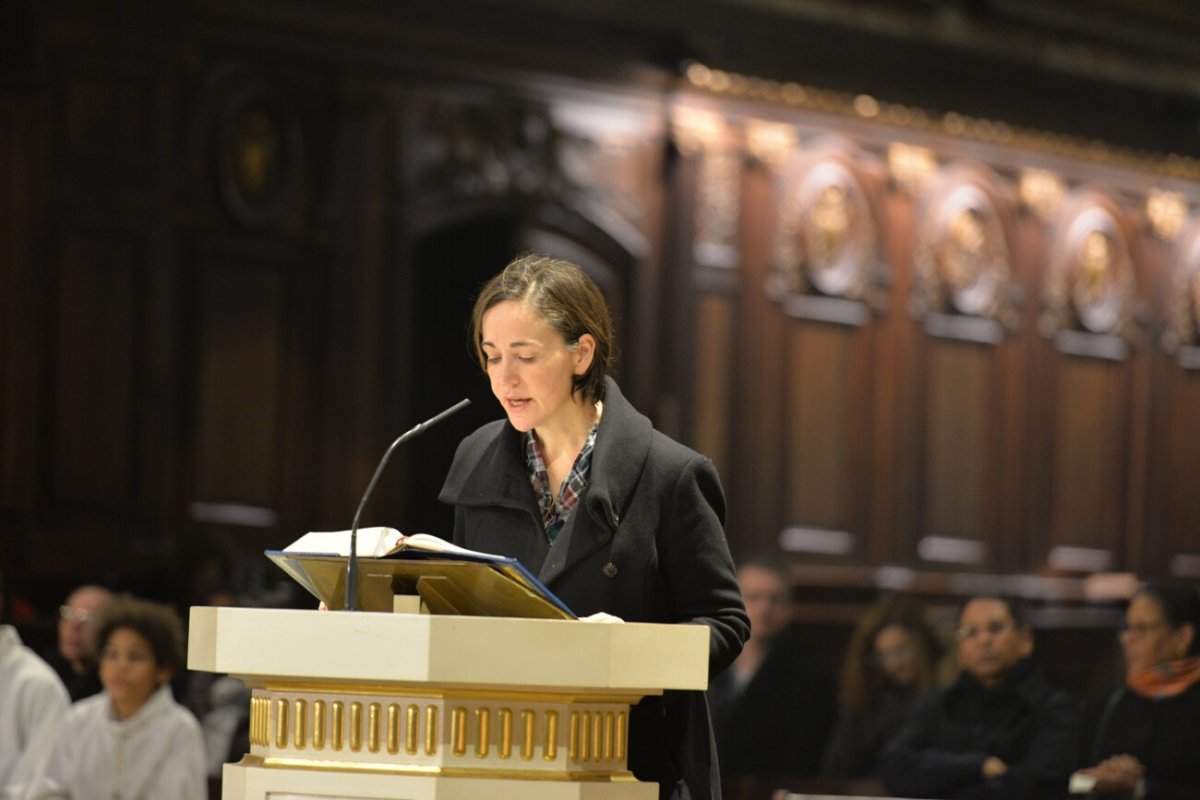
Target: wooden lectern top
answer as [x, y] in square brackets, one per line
[265, 645]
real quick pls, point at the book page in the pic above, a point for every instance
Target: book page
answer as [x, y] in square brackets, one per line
[436, 544]
[372, 542]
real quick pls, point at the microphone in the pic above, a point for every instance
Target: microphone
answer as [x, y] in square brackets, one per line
[351, 603]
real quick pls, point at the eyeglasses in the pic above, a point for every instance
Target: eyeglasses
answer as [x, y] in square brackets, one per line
[995, 628]
[81, 615]
[1139, 629]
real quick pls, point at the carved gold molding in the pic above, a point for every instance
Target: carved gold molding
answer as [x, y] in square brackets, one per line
[962, 258]
[1091, 280]
[868, 108]
[553, 737]
[826, 240]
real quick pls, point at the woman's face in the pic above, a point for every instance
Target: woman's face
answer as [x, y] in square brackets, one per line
[530, 367]
[129, 671]
[896, 654]
[1148, 638]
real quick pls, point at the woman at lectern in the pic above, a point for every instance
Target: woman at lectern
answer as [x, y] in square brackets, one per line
[613, 516]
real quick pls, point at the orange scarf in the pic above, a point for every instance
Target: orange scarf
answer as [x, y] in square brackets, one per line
[1169, 679]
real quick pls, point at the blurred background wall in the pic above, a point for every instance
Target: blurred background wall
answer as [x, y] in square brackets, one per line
[922, 277]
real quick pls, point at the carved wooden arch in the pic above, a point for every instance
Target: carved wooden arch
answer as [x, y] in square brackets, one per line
[828, 232]
[964, 243]
[1091, 281]
[550, 227]
[254, 134]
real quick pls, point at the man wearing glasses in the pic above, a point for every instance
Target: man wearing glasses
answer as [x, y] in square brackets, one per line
[999, 731]
[75, 659]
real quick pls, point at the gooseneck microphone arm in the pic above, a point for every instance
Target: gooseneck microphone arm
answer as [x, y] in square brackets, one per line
[351, 603]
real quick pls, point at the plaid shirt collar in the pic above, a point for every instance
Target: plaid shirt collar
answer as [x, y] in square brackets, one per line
[555, 511]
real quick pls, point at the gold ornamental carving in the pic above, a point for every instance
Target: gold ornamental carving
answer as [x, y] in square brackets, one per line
[826, 242]
[482, 734]
[962, 255]
[707, 138]
[1091, 281]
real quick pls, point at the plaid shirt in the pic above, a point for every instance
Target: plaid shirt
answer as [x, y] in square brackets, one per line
[554, 512]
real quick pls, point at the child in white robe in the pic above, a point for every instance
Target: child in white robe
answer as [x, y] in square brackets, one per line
[132, 741]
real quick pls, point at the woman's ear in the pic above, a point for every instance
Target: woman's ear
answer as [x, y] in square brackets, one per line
[585, 351]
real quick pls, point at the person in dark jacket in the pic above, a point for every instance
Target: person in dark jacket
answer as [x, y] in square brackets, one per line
[999, 731]
[613, 516]
[1147, 744]
[893, 659]
[773, 708]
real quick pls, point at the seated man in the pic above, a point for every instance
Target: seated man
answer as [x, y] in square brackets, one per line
[75, 659]
[773, 708]
[998, 731]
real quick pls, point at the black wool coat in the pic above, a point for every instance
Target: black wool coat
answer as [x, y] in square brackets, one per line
[1025, 722]
[1163, 734]
[645, 542]
[778, 723]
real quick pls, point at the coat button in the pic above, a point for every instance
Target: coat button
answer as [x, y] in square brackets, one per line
[610, 570]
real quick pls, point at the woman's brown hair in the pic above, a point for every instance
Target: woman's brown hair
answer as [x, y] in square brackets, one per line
[562, 294]
[861, 676]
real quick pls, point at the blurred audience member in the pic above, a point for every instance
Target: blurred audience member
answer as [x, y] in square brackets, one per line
[891, 661]
[1148, 742]
[132, 740]
[999, 731]
[75, 658]
[773, 708]
[33, 703]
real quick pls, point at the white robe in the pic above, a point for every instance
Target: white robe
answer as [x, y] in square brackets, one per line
[157, 754]
[33, 704]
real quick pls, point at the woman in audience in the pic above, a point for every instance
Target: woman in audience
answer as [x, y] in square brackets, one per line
[132, 740]
[1147, 744]
[892, 659]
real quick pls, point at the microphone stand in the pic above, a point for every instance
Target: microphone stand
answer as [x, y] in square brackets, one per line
[351, 603]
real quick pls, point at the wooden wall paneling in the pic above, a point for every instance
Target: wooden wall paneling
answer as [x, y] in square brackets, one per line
[238, 390]
[718, 245]
[828, 430]
[829, 282]
[19, 324]
[757, 382]
[960, 413]
[1088, 458]
[1092, 280]
[714, 366]
[963, 296]
[362, 284]
[895, 472]
[1025, 478]
[1172, 536]
[1178, 532]
[257, 313]
[96, 371]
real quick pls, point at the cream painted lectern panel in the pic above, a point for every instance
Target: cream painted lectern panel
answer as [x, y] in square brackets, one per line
[375, 706]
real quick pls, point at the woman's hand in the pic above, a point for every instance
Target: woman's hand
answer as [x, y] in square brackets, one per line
[993, 767]
[1116, 774]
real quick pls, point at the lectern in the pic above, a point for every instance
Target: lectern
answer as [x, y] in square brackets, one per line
[409, 706]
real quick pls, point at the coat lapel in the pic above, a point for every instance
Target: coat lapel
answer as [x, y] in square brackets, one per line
[622, 445]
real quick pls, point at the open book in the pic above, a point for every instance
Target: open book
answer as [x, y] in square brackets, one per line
[380, 542]
[450, 579]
